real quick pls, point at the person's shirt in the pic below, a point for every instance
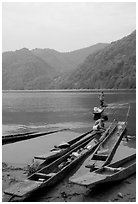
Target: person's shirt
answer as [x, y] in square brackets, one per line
[99, 122]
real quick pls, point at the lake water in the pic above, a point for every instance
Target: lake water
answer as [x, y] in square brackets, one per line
[25, 111]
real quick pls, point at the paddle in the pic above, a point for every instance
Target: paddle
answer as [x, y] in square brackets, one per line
[127, 115]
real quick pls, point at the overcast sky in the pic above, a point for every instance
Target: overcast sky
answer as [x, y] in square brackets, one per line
[65, 26]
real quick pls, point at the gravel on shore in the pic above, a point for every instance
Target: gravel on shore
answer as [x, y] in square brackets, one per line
[65, 191]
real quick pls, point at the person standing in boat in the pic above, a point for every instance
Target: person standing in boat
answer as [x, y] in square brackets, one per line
[101, 97]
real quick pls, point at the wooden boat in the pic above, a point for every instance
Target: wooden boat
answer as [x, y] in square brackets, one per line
[46, 159]
[25, 136]
[62, 149]
[104, 153]
[54, 172]
[17, 134]
[116, 171]
[106, 150]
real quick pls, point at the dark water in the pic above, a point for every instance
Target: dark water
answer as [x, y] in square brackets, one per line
[41, 111]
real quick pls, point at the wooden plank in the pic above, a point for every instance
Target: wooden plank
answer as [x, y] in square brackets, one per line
[48, 155]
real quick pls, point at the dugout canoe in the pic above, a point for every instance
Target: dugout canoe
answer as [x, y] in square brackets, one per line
[25, 136]
[63, 148]
[105, 151]
[46, 159]
[114, 172]
[53, 173]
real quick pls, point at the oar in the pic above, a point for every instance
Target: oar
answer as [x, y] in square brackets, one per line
[127, 115]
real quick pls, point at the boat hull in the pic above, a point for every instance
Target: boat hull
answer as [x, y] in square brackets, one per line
[21, 191]
[105, 151]
[51, 174]
[56, 154]
[107, 174]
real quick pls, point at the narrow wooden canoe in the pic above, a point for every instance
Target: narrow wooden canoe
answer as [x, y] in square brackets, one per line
[106, 150]
[25, 136]
[17, 135]
[116, 171]
[56, 153]
[50, 157]
[54, 172]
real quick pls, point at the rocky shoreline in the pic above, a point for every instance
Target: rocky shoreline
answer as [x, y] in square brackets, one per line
[65, 191]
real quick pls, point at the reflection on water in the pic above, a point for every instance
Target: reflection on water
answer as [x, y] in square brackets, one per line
[44, 111]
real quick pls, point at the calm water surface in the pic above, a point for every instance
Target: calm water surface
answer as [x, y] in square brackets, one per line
[43, 111]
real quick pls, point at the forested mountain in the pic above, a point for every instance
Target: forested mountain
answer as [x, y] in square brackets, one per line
[99, 66]
[39, 68]
[112, 67]
[23, 70]
[67, 61]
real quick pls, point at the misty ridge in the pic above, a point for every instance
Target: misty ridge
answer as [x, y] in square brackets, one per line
[100, 66]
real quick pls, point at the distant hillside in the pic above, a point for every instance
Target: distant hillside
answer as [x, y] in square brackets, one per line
[112, 67]
[39, 68]
[67, 61]
[23, 70]
[99, 66]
